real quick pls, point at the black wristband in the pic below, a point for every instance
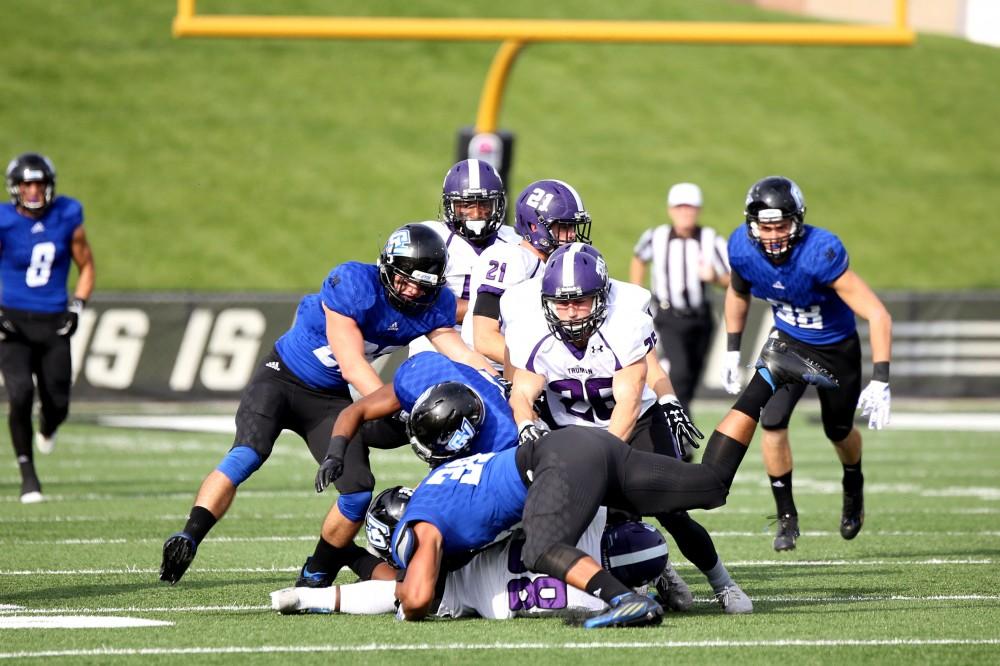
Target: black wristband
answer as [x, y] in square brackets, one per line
[337, 447]
[733, 341]
[880, 371]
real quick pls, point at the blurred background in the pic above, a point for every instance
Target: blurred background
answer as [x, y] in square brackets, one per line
[223, 178]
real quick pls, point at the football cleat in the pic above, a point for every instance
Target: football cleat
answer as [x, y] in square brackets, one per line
[178, 553]
[853, 515]
[313, 578]
[285, 601]
[673, 591]
[733, 600]
[788, 532]
[31, 497]
[785, 365]
[46, 445]
[627, 610]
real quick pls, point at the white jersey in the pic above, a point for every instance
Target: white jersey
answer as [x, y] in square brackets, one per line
[462, 257]
[496, 585]
[579, 381]
[498, 268]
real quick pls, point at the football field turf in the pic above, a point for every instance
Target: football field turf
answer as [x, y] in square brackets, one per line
[920, 584]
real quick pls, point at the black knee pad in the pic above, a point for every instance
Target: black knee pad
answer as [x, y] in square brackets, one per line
[774, 420]
[836, 433]
[555, 559]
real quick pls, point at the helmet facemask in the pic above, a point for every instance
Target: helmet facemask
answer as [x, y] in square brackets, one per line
[31, 168]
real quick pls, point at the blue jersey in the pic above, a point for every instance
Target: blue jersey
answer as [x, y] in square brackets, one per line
[471, 501]
[354, 290]
[804, 305]
[35, 255]
[426, 369]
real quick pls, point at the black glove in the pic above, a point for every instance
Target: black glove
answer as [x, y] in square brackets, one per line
[681, 427]
[72, 317]
[529, 432]
[333, 464]
[7, 327]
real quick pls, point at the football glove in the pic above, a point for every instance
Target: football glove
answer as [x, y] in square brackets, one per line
[71, 318]
[333, 464]
[530, 432]
[874, 403]
[732, 373]
[681, 427]
[7, 327]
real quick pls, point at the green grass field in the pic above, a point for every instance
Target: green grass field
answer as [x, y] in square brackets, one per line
[258, 164]
[921, 583]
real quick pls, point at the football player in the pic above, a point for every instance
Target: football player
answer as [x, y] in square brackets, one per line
[434, 393]
[554, 486]
[494, 584]
[473, 208]
[548, 213]
[362, 312]
[40, 235]
[586, 349]
[803, 272]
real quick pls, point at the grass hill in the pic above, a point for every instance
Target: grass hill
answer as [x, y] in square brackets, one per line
[258, 164]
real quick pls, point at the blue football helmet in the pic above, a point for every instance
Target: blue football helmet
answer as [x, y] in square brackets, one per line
[772, 200]
[635, 553]
[31, 168]
[548, 202]
[474, 182]
[573, 272]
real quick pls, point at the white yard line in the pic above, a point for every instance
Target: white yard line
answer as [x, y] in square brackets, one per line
[426, 647]
[738, 563]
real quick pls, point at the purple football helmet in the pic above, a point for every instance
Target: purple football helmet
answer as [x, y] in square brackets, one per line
[548, 202]
[634, 553]
[474, 182]
[573, 272]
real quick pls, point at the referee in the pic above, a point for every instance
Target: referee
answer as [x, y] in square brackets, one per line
[685, 257]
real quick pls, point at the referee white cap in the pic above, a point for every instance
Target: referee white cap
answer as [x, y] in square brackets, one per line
[684, 194]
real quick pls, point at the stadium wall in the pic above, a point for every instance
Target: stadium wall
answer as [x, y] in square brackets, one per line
[200, 346]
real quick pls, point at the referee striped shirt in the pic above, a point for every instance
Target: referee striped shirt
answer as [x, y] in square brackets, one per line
[675, 274]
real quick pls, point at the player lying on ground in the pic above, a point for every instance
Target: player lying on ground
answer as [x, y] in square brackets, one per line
[494, 584]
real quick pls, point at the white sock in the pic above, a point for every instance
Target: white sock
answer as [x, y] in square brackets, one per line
[320, 598]
[370, 597]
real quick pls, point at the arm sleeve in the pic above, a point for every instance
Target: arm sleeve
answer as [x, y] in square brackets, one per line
[487, 305]
[739, 285]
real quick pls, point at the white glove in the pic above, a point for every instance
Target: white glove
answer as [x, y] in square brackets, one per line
[732, 373]
[874, 403]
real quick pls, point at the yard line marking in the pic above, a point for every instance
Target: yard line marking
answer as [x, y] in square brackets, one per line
[391, 647]
[77, 622]
[852, 598]
[312, 537]
[739, 563]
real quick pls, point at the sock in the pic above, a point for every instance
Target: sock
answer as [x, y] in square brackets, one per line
[718, 577]
[360, 561]
[328, 559]
[725, 455]
[199, 522]
[853, 478]
[371, 597]
[29, 479]
[781, 488]
[754, 396]
[605, 586]
[318, 599]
